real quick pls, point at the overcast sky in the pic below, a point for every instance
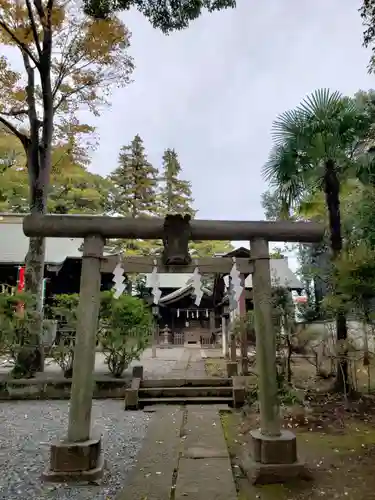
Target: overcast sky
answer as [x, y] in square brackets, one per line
[213, 90]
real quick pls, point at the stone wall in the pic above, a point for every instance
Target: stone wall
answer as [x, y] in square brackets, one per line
[325, 332]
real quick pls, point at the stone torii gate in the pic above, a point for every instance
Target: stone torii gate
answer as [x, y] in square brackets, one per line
[80, 454]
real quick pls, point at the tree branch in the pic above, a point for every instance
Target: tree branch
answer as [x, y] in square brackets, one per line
[66, 96]
[33, 27]
[16, 112]
[20, 44]
[22, 137]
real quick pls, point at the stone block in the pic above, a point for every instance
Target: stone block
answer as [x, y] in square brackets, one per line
[239, 392]
[273, 459]
[75, 461]
[274, 450]
[131, 399]
[138, 372]
[232, 369]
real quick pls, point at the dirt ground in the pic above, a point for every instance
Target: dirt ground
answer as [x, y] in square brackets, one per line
[304, 374]
[336, 438]
[337, 444]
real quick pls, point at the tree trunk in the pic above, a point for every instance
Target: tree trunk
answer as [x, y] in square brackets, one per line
[332, 196]
[38, 149]
[31, 358]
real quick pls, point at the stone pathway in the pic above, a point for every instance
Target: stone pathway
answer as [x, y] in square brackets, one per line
[184, 455]
[190, 365]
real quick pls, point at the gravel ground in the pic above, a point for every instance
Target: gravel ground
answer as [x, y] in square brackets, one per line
[28, 427]
[153, 367]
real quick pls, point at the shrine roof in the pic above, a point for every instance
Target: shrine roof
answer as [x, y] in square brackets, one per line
[281, 275]
[14, 244]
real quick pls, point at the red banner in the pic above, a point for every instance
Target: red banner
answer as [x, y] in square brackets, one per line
[21, 287]
[21, 279]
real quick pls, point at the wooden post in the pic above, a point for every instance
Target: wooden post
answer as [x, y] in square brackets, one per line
[243, 332]
[265, 339]
[224, 336]
[212, 321]
[233, 344]
[84, 353]
[244, 358]
[155, 340]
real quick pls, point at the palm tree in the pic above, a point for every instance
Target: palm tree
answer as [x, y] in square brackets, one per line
[315, 146]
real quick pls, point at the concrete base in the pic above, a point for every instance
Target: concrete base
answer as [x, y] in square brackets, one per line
[274, 459]
[75, 461]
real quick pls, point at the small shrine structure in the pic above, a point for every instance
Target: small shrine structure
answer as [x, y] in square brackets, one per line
[188, 322]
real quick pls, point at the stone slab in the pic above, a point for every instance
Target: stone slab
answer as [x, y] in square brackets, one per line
[203, 434]
[205, 479]
[152, 474]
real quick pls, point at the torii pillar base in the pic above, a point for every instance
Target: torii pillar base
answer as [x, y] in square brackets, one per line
[75, 462]
[273, 459]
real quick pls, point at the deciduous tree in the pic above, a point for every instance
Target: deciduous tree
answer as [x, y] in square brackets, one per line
[69, 61]
[166, 15]
[72, 189]
[367, 11]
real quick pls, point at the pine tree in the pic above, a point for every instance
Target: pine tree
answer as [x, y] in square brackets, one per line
[175, 194]
[134, 182]
[134, 193]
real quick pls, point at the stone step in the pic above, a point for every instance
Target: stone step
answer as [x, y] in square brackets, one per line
[184, 391]
[187, 382]
[185, 400]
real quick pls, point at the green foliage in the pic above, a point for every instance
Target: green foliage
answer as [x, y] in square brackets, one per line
[277, 253]
[64, 310]
[246, 323]
[15, 329]
[368, 17]
[209, 248]
[134, 182]
[325, 127]
[166, 15]
[274, 207]
[73, 189]
[174, 193]
[355, 278]
[134, 192]
[317, 146]
[125, 326]
[125, 329]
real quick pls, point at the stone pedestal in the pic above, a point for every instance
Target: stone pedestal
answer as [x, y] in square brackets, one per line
[273, 459]
[232, 369]
[75, 461]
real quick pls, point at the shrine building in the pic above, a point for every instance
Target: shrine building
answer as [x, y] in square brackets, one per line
[192, 324]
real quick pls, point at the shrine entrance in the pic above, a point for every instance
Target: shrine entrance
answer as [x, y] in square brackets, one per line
[176, 231]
